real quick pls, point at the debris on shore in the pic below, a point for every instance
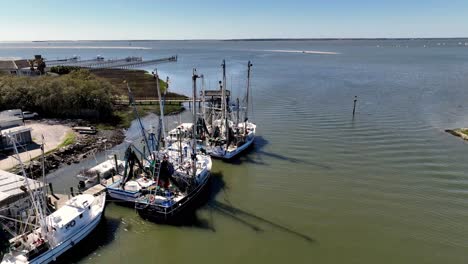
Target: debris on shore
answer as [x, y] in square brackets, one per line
[84, 146]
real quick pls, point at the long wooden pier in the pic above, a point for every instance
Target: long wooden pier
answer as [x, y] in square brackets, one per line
[100, 63]
[154, 101]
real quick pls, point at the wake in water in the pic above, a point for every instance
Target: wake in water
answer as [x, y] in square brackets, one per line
[305, 51]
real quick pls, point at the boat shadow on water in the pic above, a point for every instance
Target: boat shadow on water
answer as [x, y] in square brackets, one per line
[250, 220]
[104, 234]
[253, 221]
[255, 153]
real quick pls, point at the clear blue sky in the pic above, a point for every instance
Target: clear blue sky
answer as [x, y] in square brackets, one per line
[210, 19]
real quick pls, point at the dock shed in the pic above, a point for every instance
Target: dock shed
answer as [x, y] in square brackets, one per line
[22, 135]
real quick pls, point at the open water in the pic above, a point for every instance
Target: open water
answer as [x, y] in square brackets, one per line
[319, 186]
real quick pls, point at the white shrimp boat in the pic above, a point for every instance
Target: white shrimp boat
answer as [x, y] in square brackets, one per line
[179, 189]
[228, 136]
[60, 231]
[56, 233]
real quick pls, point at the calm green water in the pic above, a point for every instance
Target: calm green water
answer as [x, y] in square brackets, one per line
[389, 186]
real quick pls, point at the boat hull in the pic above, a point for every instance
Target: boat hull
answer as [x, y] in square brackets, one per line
[227, 155]
[180, 211]
[119, 194]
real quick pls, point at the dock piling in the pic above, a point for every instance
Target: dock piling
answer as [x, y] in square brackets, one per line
[52, 191]
[354, 106]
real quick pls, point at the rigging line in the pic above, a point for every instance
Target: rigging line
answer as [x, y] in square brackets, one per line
[18, 221]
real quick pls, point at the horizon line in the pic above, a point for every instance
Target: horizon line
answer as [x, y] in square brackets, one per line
[242, 39]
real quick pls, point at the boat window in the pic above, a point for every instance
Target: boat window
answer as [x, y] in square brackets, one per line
[81, 215]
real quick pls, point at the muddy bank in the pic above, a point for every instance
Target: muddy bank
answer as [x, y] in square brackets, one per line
[82, 147]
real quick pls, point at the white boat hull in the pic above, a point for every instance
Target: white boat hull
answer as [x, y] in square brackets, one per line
[224, 154]
[122, 195]
[53, 254]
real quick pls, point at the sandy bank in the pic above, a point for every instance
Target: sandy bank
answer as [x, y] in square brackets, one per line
[54, 135]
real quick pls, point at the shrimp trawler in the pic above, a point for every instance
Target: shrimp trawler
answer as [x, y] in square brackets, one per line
[228, 136]
[180, 191]
[137, 176]
[52, 235]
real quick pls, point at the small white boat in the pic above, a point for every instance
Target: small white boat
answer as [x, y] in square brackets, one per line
[96, 174]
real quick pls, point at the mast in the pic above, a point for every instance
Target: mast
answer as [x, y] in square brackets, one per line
[249, 65]
[237, 116]
[161, 108]
[44, 187]
[223, 99]
[132, 102]
[194, 140]
[37, 208]
[203, 97]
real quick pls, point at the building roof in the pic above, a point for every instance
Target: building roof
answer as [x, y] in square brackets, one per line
[7, 65]
[22, 64]
[15, 130]
[10, 185]
[5, 118]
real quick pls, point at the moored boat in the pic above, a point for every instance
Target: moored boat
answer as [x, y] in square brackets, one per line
[181, 191]
[52, 235]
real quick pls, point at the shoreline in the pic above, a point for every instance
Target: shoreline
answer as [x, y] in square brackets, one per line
[459, 132]
[82, 147]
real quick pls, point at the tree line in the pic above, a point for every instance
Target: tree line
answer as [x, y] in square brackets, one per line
[78, 94]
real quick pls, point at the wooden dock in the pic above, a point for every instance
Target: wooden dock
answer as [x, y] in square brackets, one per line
[94, 190]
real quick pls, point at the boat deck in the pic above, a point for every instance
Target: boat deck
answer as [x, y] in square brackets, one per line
[94, 190]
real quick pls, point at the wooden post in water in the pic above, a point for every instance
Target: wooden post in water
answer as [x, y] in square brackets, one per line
[71, 192]
[116, 164]
[354, 106]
